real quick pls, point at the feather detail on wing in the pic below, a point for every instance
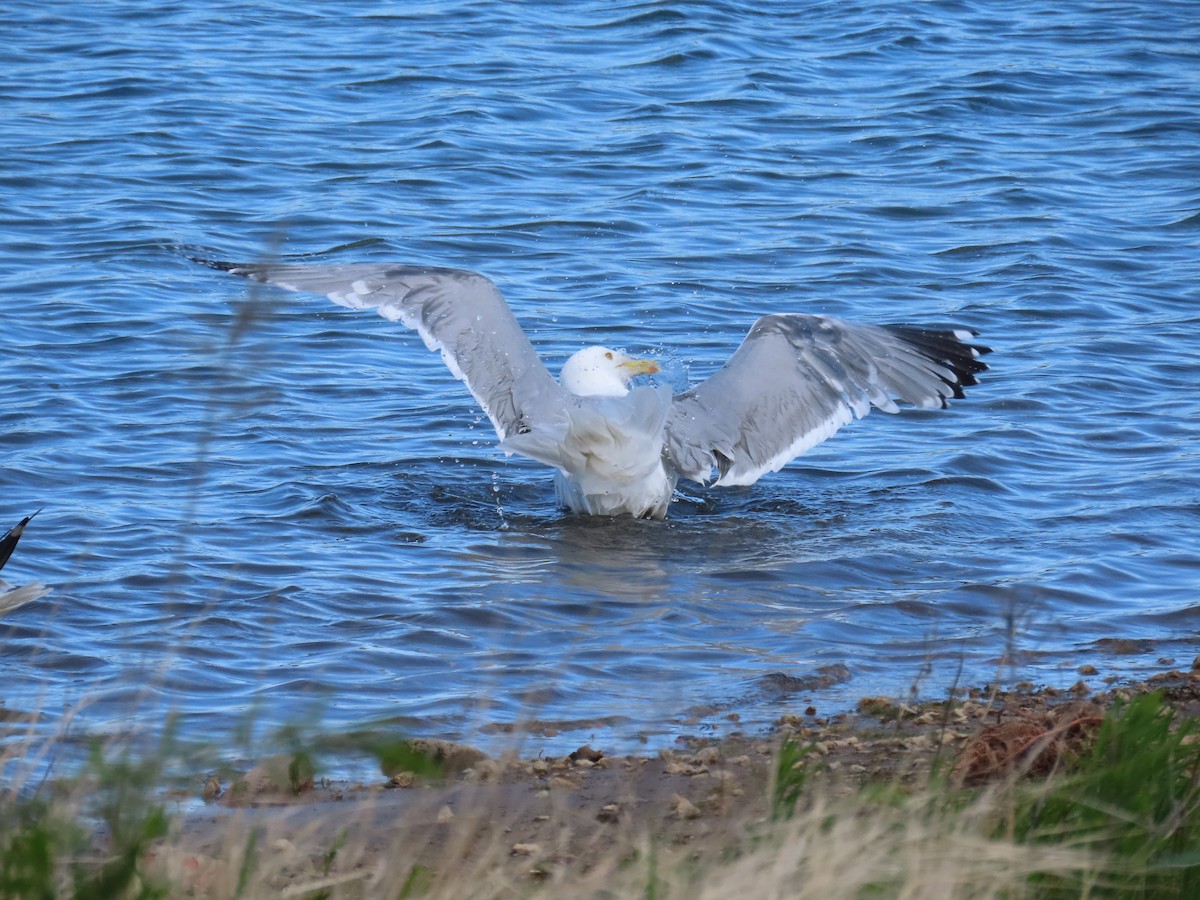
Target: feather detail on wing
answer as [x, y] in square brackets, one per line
[796, 379]
[460, 314]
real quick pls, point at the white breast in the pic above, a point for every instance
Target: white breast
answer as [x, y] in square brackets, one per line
[613, 455]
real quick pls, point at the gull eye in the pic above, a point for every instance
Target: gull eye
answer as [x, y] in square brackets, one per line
[608, 355]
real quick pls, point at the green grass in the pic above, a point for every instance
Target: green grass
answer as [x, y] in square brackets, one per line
[48, 849]
[1119, 819]
[793, 770]
[1132, 805]
[1135, 800]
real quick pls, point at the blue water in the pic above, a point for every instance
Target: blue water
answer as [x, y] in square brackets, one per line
[260, 508]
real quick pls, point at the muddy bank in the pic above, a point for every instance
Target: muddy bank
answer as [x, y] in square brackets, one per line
[561, 818]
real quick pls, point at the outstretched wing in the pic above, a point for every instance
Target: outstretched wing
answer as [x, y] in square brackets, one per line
[459, 313]
[797, 379]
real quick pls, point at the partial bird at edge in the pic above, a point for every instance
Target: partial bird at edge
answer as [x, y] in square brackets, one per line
[8, 543]
[12, 598]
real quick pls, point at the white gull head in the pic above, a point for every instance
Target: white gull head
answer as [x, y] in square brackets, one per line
[601, 372]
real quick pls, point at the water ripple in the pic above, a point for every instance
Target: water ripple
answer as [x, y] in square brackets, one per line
[258, 507]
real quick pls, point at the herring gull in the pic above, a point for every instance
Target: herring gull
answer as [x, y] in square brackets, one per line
[619, 448]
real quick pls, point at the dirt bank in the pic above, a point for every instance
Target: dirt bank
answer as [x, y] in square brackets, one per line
[514, 823]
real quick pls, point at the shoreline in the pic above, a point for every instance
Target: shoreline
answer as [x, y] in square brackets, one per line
[535, 822]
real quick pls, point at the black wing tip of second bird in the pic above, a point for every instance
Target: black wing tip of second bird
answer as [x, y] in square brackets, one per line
[8, 543]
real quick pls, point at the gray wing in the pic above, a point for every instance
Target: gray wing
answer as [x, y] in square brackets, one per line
[797, 379]
[459, 313]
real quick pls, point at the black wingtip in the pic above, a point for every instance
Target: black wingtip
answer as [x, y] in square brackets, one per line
[8, 543]
[950, 347]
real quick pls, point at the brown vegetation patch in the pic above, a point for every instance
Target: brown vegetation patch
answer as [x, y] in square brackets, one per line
[1032, 745]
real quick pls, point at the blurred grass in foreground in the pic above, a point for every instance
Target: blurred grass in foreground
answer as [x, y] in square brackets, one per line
[1115, 814]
